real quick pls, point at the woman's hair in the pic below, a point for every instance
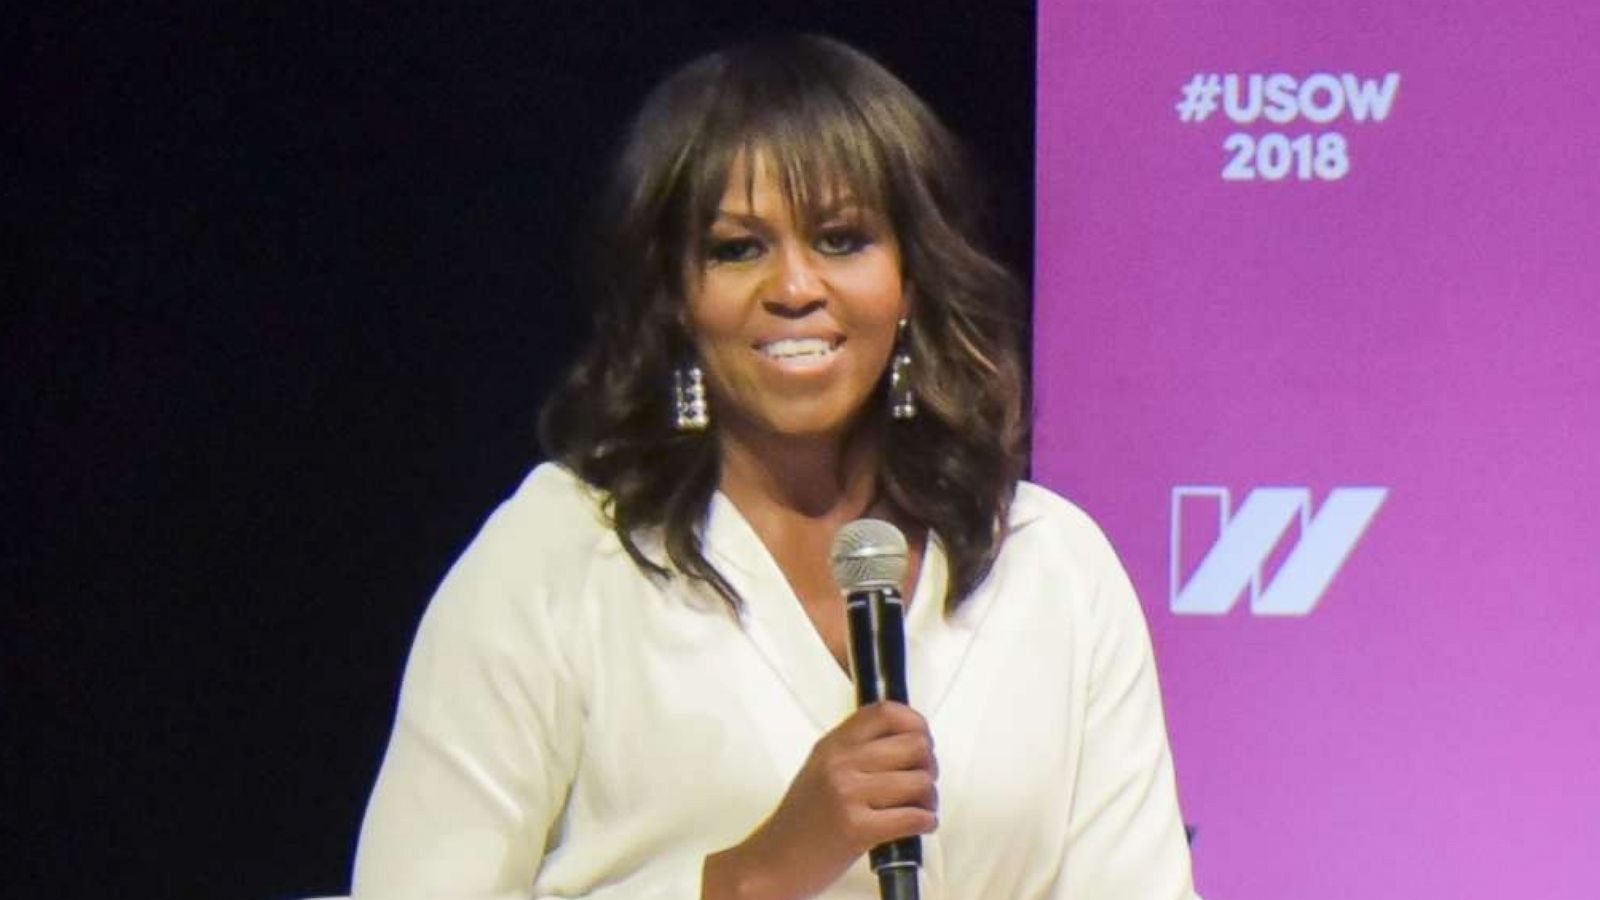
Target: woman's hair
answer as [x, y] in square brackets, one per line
[825, 118]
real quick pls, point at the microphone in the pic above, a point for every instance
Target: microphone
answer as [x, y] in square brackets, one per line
[868, 559]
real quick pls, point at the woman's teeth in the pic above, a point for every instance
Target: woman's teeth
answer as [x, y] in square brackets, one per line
[798, 348]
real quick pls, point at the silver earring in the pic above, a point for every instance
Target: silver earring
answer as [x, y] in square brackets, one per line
[902, 402]
[689, 411]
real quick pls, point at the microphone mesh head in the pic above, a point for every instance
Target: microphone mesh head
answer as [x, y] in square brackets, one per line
[866, 554]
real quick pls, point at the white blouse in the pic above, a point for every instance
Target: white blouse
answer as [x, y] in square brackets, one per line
[569, 727]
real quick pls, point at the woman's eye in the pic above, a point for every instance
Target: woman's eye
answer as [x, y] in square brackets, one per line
[731, 250]
[841, 241]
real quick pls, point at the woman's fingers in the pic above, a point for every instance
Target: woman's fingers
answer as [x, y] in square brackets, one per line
[905, 821]
[879, 720]
[907, 750]
[868, 781]
[916, 787]
[886, 761]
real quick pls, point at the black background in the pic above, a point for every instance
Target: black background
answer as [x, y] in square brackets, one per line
[289, 284]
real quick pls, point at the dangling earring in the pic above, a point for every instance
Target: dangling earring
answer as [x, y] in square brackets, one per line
[689, 411]
[902, 402]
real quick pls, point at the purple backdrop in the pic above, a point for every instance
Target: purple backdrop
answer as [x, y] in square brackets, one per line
[1378, 286]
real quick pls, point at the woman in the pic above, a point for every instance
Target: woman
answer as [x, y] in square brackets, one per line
[634, 682]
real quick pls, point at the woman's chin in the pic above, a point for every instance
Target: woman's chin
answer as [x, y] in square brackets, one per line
[803, 424]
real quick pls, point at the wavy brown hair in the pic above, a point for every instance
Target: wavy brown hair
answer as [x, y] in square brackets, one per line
[827, 117]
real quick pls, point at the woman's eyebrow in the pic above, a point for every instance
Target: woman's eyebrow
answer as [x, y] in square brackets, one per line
[846, 203]
[746, 219]
[822, 212]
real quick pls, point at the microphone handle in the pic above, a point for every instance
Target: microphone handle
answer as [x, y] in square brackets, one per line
[878, 656]
[877, 645]
[898, 883]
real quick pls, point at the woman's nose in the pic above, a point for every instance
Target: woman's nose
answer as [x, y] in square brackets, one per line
[797, 285]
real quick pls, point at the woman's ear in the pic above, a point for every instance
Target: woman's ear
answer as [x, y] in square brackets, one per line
[685, 329]
[680, 309]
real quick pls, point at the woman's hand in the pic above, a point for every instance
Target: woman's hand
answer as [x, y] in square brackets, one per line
[868, 781]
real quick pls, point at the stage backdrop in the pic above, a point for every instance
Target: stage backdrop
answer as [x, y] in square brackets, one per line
[1318, 343]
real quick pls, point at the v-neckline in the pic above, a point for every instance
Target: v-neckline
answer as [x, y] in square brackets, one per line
[782, 631]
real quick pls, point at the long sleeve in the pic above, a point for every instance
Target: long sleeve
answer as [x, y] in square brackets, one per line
[571, 728]
[489, 723]
[1125, 833]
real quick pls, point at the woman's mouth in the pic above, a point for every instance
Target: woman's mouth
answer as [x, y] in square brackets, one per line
[800, 350]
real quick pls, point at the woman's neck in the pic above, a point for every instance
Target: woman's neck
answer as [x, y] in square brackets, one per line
[824, 479]
[796, 494]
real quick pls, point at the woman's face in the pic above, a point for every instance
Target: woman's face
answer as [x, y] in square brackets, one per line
[794, 316]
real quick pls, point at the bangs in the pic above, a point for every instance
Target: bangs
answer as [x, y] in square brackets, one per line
[820, 147]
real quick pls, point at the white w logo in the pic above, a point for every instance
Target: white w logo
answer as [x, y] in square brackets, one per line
[1248, 538]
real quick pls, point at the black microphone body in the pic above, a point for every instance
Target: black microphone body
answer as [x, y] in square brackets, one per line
[878, 656]
[869, 559]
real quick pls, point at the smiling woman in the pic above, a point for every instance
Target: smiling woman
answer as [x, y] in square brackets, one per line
[633, 683]
[793, 314]
[736, 164]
